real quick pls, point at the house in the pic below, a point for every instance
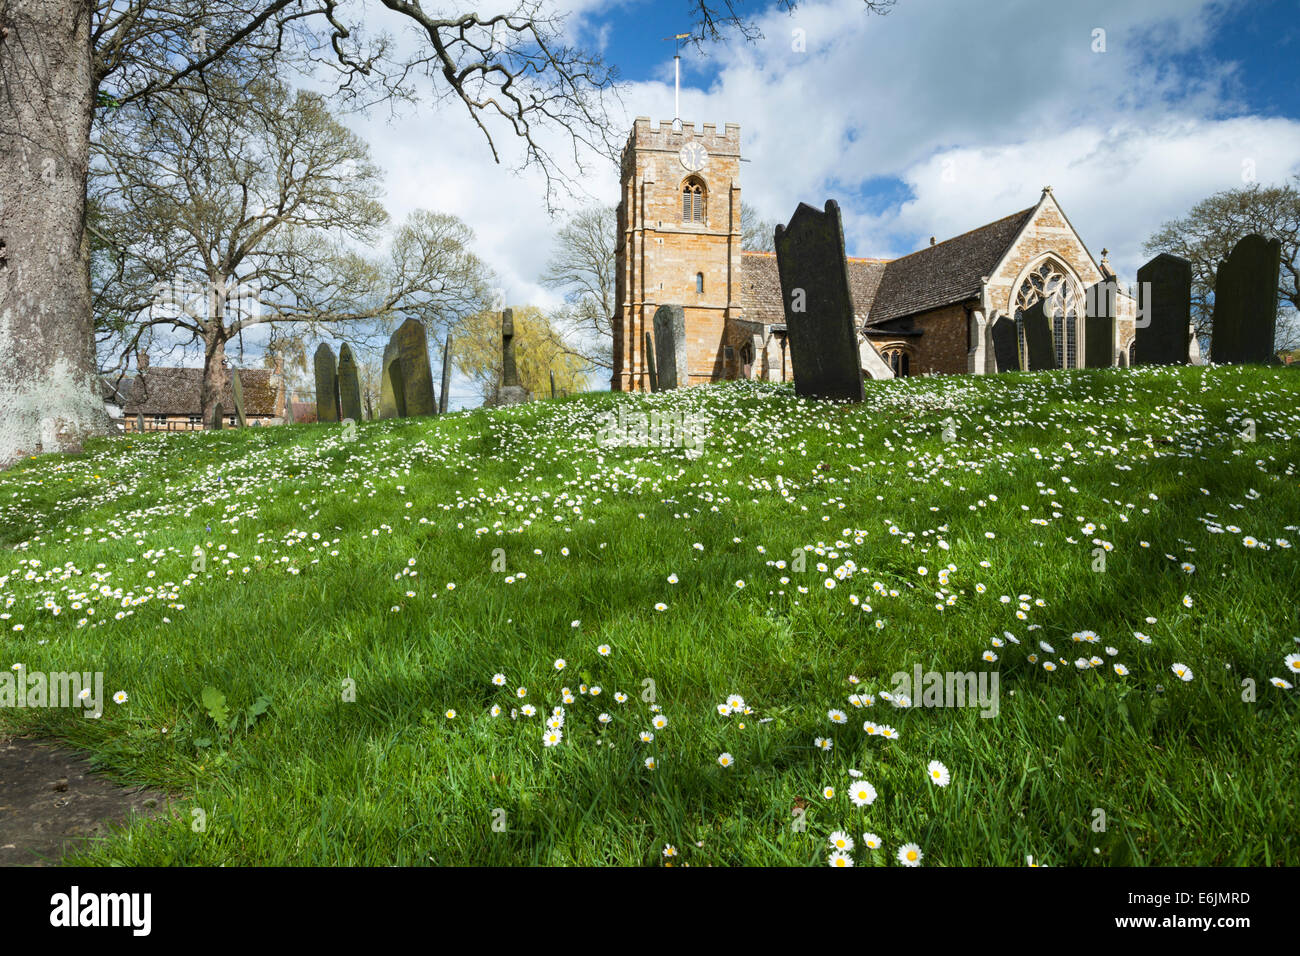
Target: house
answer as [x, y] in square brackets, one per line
[167, 399]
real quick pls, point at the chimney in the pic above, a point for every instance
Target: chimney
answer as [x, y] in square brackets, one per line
[141, 360]
[932, 240]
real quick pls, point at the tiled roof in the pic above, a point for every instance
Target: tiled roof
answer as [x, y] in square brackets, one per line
[761, 286]
[175, 391]
[946, 272]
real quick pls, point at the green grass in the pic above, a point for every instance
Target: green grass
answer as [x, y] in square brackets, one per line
[1197, 772]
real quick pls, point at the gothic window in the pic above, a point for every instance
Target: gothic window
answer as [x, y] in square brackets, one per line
[1132, 351]
[898, 361]
[1050, 282]
[693, 201]
[699, 282]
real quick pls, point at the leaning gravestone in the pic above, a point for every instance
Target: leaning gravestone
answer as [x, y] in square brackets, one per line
[650, 360]
[349, 385]
[139, 422]
[446, 377]
[327, 385]
[1194, 347]
[1006, 347]
[417, 375]
[818, 305]
[1245, 303]
[1164, 311]
[1040, 348]
[392, 397]
[670, 348]
[288, 407]
[1099, 325]
[216, 423]
[237, 392]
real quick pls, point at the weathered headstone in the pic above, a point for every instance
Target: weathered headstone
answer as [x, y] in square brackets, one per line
[446, 377]
[650, 360]
[288, 407]
[670, 348]
[237, 392]
[1040, 347]
[392, 397]
[327, 385]
[217, 421]
[1164, 311]
[1006, 348]
[511, 391]
[417, 374]
[552, 383]
[1099, 324]
[1194, 347]
[1245, 303]
[139, 422]
[818, 305]
[349, 385]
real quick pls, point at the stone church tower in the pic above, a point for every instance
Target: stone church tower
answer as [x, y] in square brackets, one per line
[678, 243]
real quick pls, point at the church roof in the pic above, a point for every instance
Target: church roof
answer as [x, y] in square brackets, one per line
[947, 272]
[885, 289]
[175, 391]
[761, 286]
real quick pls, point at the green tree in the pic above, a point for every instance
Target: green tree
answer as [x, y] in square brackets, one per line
[539, 350]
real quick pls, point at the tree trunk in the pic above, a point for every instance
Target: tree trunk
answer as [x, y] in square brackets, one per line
[50, 398]
[215, 374]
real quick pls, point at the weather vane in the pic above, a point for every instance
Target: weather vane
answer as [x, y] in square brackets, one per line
[677, 39]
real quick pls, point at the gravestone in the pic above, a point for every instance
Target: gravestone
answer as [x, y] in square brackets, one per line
[1245, 303]
[237, 392]
[650, 361]
[511, 391]
[818, 304]
[417, 374]
[349, 385]
[216, 422]
[1040, 348]
[288, 407]
[446, 376]
[1099, 332]
[552, 384]
[139, 422]
[1164, 311]
[1006, 347]
[392, 396]
[670, 347]
[1194, 347]
[327, 385]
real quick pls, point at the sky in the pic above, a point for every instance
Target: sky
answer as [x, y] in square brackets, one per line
[931, 120]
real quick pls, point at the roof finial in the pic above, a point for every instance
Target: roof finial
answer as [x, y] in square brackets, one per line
[1046, 190]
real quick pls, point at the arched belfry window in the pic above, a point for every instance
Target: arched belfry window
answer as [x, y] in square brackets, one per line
[1050, 281]
[693, 201]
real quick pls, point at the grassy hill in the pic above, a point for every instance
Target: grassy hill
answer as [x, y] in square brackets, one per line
[356, 591]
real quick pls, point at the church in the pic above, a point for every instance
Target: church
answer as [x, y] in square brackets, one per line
[930, 312]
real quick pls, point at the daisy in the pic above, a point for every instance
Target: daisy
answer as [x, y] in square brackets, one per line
[828, 793]
[837, 716]
[646, 736]
[451, 715]
[725, 760]
[650, 763]
[552, 737]
[661, 606]
[1121, 670]
[723, 710]
[603, 650]
[909, 854]
[889, 733]
[840, 859]
[560, 664]
[862, 793]
[660, 722]
[939, 775]
[496, 710]
[670, 850]
[521, 692]
[839, 840]
[1292, 662]
[672, 579]
[1279, 682]
[871, 841]
[1182, 671]
[120, 697]
[736, 702]
[823, 743]
[528, 710]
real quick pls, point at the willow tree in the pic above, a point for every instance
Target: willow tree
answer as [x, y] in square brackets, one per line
[540, 349]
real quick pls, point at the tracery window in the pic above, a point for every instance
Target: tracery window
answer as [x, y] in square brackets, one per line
[693, 201]
[1050, 281]
[898, 361]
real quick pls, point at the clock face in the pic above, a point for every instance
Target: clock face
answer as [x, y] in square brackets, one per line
[694, 156]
